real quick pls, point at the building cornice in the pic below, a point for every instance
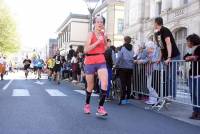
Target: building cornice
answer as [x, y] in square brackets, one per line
[72, 16]
[106, 3]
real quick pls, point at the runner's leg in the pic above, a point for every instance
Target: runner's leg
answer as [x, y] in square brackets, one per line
[103, 77]
[90, 86]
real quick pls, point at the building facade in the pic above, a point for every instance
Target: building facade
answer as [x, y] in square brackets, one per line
[182, 17]
[73, 31]
[113, 11]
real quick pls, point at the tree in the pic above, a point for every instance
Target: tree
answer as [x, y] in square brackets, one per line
[9, 40]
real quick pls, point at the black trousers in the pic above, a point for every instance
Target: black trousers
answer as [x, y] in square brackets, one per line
[125, 77]
[65, 74]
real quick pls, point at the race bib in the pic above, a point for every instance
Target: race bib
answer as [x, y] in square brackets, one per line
[57, 62]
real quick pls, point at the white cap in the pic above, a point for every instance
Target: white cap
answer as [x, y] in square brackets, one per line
[150, 44]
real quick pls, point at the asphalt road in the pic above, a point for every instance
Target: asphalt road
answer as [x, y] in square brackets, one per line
[43, 107]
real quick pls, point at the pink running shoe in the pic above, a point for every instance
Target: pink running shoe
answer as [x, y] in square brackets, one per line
[101, 111]
[87, 109]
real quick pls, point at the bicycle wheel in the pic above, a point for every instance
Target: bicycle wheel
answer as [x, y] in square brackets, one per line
[117, 89]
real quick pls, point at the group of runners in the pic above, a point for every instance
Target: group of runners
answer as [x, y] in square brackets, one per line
[53, 65]
[38, 65]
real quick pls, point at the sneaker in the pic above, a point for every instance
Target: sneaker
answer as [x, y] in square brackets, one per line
[127, 101]
[87, 109]
[195, 116]
[151, 101]
[101, 111]
[74, 81]
[122, 102]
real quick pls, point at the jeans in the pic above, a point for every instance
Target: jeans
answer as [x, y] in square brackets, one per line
[65, 74]
[109, 80]
[171, 77]
[194, 85]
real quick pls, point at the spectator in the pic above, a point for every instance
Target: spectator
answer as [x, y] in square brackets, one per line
[169, 52]
[64, 70]
[109, 63]
[150, 60]
[71, 53]
[193, 41]
[114, 51]
[74, 62]
[140, 76]
[125, 65]
[2, 66]
[80, 63]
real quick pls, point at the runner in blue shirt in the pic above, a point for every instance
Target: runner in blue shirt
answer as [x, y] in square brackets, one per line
[40, 65]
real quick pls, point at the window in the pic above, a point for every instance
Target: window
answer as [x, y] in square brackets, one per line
[159, 7]
[102, 1]
[120, 26]
[180, 37]
[69, 33]
[185, 1]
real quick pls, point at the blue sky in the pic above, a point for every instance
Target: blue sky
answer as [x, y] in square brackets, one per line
[38, 20]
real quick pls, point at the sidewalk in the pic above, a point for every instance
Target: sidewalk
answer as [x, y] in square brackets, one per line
[174, 110]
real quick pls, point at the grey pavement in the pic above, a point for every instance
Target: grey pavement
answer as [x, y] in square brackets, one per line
[43, 113]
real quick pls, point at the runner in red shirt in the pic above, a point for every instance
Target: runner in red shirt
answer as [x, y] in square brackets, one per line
[95, 62]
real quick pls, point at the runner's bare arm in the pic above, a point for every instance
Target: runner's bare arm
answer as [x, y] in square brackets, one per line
[88, 46]
[169, 47]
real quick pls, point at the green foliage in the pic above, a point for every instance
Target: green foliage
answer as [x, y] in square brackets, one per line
[9, 40]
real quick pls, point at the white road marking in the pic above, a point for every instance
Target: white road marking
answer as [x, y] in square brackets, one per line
[39, 82]
[7, 85]
[83, 93]
[20, 92]
[55, 92]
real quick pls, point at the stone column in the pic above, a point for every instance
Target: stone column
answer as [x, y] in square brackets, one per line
[126, 13]
[147, 9]
[141, 10]
[152, 9]
[176, 3]
[190, 1]
[166, 4]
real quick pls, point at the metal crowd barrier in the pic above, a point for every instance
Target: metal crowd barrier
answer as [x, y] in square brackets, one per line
[168, 83]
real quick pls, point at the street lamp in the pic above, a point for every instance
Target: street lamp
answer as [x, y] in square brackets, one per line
[91, 4]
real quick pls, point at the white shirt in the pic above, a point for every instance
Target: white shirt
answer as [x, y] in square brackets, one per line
[2, 61]
[74, 60]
